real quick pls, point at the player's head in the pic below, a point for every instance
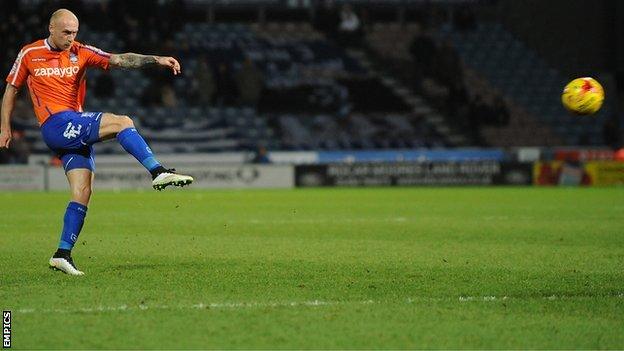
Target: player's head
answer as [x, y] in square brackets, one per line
[63, 28]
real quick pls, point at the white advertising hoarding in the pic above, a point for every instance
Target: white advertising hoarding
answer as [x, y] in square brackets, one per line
[22, 178]
[218, 176]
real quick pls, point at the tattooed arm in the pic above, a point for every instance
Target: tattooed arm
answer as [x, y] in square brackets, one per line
[130, 60]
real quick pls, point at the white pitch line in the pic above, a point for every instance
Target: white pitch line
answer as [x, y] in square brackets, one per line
[482, 298]
[200, 306]
[291, 304]
[503, 298]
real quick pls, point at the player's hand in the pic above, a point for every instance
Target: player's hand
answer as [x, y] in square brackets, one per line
[5, 139]
[171, 63]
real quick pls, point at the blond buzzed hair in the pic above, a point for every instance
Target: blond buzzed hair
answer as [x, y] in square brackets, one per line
[61, 12]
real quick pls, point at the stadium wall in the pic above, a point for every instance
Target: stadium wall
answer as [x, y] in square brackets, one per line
[216, 176]
[523, 166]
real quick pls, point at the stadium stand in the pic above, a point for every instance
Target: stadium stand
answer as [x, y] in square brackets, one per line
[526, 80]
[293, 85]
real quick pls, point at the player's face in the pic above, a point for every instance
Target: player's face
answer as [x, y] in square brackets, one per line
[63, 33]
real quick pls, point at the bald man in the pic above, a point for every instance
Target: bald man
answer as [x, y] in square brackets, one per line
[54, 71]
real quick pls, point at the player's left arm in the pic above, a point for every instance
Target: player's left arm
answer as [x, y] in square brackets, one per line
[131, 60]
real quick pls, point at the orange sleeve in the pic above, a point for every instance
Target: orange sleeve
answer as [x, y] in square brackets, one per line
[95, 57]
[19, 72]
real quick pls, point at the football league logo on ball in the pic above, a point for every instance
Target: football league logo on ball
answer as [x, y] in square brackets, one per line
[583, 96]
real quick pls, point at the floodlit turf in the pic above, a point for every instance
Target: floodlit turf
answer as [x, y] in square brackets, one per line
[321, 268]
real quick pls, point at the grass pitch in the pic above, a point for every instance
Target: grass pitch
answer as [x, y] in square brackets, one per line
[323, 268]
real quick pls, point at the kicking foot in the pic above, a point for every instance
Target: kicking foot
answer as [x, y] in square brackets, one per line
[170, 177]
[64, 263]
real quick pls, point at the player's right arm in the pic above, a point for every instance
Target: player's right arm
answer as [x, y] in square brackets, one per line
[8, 103]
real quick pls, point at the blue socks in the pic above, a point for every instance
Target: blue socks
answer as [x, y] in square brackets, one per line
[72, 224]
[136, 146]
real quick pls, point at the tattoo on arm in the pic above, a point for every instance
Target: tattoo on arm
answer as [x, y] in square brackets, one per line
[130, 60]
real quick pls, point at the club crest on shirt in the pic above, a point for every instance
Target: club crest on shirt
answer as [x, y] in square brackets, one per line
[73, 58]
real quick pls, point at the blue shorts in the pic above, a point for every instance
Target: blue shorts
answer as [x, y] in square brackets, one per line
[71, 136]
